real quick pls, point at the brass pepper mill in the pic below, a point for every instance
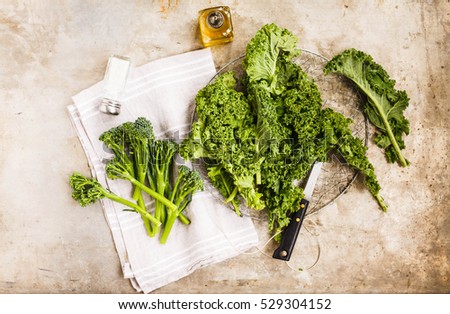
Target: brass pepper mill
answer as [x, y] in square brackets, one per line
[215, 26]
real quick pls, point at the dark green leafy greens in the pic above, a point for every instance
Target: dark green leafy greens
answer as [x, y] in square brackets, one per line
[384, 106]
[266, 54]
[224, 135]
[259, 143]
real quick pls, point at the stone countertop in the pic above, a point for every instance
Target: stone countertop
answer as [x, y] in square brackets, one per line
[50, 50]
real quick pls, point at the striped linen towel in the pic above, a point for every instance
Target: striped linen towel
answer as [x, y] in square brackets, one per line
[163, 91]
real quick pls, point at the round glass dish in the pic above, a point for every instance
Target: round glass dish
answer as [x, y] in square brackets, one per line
[336, 177]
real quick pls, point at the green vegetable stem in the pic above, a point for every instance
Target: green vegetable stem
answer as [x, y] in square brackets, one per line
[159, 165]
[87, 191]
[115, 170]
[117, 139]
[188, 182]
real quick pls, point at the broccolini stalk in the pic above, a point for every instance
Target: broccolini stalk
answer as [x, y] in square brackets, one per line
[148, 226]
[138, 135]
[187, 183]
[159, 165]
[115, 170]
[184, 220]
[87, 191]
[116, 140]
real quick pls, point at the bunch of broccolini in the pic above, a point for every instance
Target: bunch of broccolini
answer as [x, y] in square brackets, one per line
[147, 164]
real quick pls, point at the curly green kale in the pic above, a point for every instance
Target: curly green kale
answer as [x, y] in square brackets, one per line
[286, 106]
[261, 142]
[337, 136]
[223, 182]
[385, 104]
[264, 52]
[224, 134]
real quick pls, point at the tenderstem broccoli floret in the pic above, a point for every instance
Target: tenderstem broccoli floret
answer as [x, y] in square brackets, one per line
[138, 135]
[117, 139]
[114, 139]
[87, 191]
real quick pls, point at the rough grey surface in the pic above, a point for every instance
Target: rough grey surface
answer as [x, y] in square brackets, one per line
[51, 50]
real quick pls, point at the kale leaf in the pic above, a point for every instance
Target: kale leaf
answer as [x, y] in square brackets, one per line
[385, 104]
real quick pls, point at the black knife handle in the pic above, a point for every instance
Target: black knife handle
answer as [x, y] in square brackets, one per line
[290, 233]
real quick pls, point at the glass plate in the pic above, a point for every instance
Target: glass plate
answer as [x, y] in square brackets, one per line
[336, 177]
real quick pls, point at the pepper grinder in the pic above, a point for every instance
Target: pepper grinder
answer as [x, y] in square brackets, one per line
[215, 26]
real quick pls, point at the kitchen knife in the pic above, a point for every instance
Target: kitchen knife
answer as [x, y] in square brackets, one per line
[290, 233]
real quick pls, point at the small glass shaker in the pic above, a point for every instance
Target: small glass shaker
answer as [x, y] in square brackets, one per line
[116, 76]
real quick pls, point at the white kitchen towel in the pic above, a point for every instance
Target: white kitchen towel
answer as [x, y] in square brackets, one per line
[163, 91]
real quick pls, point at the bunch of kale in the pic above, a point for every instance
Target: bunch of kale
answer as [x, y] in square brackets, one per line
[260, 142]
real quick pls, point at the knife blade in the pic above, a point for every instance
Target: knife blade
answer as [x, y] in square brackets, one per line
[290, 234]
